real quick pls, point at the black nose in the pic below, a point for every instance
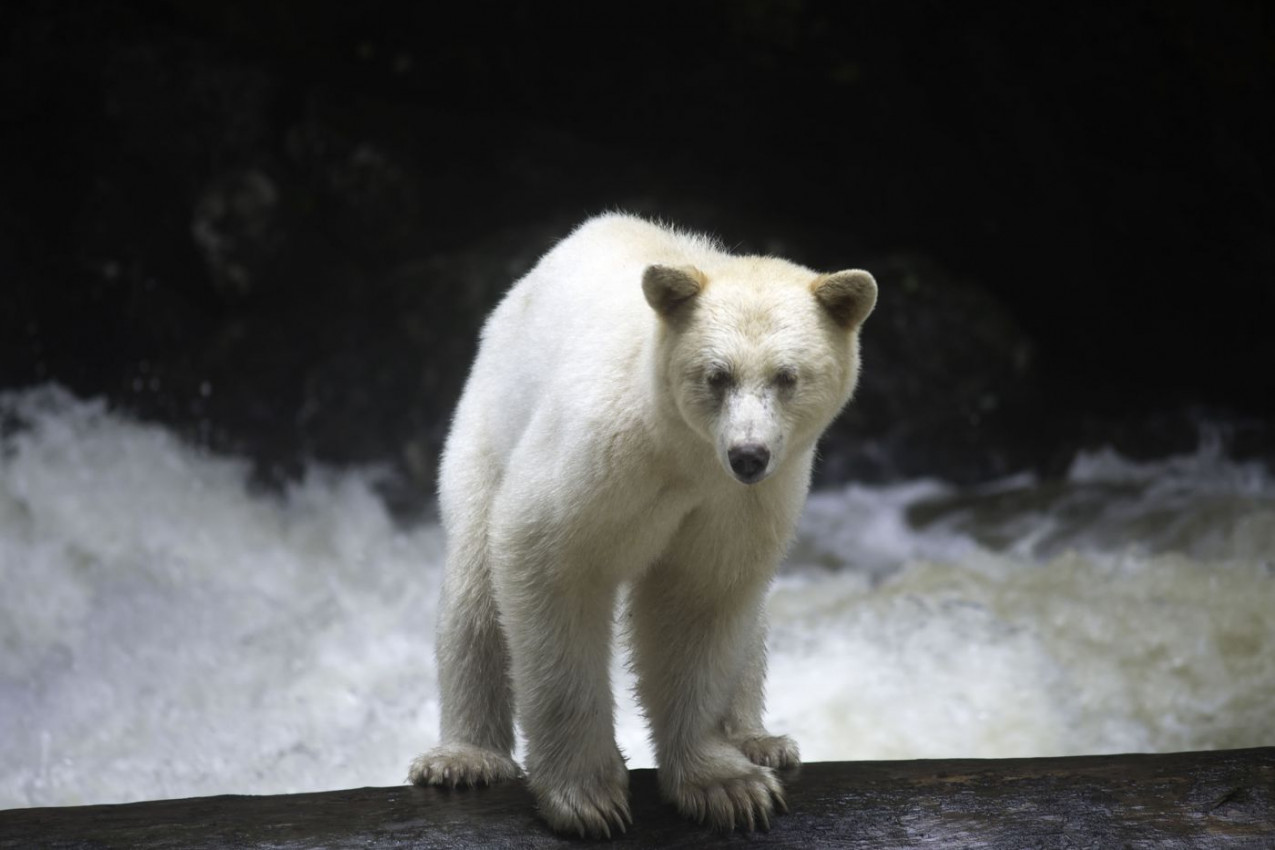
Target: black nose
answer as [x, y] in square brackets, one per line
[748, 461]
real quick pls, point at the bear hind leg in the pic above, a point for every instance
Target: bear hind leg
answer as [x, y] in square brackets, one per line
[473, 665]
[742, 724]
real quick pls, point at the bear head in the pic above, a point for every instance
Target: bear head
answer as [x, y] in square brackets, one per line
[758, 355]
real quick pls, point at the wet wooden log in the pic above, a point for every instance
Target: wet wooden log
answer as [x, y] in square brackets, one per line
[1222, 799]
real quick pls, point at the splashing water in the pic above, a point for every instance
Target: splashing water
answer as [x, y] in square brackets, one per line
[166, 631]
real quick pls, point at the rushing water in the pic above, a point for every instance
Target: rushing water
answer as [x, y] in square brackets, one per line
[167, 631]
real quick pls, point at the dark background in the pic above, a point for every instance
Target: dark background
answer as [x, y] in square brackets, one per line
[277, 226]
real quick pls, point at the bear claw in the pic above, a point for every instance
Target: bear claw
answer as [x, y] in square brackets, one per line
[777, 751]
[742, 801]
[588, 810]
[459, 765]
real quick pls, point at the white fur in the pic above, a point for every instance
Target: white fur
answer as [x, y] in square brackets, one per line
[592, 449]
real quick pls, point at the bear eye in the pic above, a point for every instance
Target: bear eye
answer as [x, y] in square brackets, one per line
[718, 378]
[786, 378]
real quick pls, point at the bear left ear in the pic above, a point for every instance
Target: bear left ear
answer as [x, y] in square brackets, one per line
[849, 296]
[667, 287]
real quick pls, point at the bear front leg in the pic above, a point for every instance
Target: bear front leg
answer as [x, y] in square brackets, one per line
[560, 645]
[691, 648]
[477, 741]
[742, 724]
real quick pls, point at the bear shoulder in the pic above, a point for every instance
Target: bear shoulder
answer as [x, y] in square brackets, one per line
[643, 239]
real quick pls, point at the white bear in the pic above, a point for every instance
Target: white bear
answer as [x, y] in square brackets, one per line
[642, 412]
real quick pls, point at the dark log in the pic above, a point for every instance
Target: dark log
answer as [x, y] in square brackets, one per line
[1222, 799]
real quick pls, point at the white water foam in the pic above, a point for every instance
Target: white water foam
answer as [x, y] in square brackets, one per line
[166, 631]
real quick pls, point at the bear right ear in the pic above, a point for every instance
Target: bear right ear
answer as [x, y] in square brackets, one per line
[667, 288]
[849, 296]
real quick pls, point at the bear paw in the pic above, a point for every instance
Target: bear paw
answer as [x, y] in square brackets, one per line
[461, 764]
[728, 794]
[777, 751]
[591, 808]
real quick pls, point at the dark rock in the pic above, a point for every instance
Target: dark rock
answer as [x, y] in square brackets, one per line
[947, 380]
[1184, 800]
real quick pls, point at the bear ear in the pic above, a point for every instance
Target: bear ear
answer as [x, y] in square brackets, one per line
[667, 288]
[848, 296]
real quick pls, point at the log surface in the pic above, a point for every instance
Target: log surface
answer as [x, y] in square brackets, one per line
[1222, 799]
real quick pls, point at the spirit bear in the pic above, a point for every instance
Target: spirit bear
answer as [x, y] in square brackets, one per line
[642, 413]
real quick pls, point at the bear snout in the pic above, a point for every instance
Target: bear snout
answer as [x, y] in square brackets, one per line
[749, 461]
